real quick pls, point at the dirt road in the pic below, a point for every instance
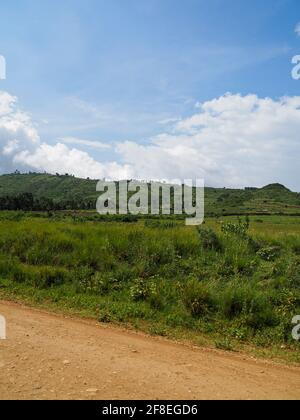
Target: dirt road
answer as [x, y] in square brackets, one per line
[51, 357]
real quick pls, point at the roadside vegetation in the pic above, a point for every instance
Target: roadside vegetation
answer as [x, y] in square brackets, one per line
[233, 283]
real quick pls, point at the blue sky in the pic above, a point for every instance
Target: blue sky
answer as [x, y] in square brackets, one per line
[123, 71]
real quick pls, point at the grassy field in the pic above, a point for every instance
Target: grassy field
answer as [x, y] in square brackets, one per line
[233, 284]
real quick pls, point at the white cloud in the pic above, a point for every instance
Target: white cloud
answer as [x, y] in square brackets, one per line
[62, 159]
[89, 143]
[233, 140]
[17, 132]
[21, 148]
[168, 121]
[6, 103]
[297, 29]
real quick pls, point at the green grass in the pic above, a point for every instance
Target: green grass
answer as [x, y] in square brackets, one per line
[221, 285]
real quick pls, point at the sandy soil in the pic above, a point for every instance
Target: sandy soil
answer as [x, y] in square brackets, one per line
[48, 356]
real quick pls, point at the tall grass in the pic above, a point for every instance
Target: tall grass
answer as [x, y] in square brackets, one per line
[218, 277]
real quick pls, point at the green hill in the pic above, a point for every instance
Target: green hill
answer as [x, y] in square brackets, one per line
[76, 193]
[56, 187]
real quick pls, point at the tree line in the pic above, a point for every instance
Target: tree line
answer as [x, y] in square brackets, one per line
[27, 202]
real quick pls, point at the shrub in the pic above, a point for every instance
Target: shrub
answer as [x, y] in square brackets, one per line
[61, 244]
[19, 275]
[254, 245]
[198, 298]
[160, 224]
[45, 277]
[260, 316]
[105, 317]
[124, 274]
[99, 284]
[269, 253]
[82, 278]
[155, 298]
[158, 330]
[179, 319]
[41, 277]
[235, 299]
[162, 253]
[139, 290]
[239, 229]
[293, 274]
[224, 344]
[209, 239]
[143, 290]
[296, 248]
[7, 265]
[128, 218]
[246, 301]
[245, 266]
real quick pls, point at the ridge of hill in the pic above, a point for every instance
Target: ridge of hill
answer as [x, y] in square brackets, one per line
[77, 193]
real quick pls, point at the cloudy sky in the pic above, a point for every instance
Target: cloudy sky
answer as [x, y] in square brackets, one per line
[152, 89]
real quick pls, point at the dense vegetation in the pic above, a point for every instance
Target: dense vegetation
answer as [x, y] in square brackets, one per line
[236, 281]
[43, 192]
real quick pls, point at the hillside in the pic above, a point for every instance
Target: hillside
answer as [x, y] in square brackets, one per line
[74, 193]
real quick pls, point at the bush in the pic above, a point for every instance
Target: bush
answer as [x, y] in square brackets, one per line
[82, 278]
[139, 290]
[209, 239]
[245, 267]
[296, 248]
[224, 344]
[254, 245]
[261, 315]
[46, 277]
[269, 253]
[161, 254]
[293, 274]
[147, 290]
[198, 298]
[41, 277]
[155, 297]
[235, 299]
[239, 229]
[246, 301]
[19, 275]
[7, 265]
[105, 317]
[99, 283]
